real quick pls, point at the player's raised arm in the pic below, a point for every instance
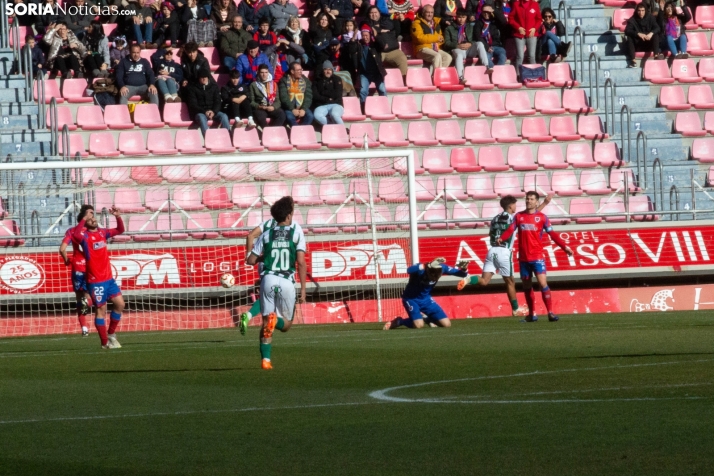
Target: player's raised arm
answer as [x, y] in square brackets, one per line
[545, 203]
[120, 223]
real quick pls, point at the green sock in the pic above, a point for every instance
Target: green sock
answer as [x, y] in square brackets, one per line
[255, 308]
[281, 323]
[265, 351]
[514, 304]
[474, 279]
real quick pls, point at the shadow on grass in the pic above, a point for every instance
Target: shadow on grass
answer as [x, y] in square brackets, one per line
[616, 356]
[140, 371]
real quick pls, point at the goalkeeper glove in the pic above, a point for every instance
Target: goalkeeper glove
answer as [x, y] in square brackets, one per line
[436, 264]
[463, 265]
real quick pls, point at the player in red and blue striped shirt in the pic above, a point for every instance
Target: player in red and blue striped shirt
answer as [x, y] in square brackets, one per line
[100, 281]
[78, 264]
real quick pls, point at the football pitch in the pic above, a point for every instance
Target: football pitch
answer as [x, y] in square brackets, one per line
[589, 395]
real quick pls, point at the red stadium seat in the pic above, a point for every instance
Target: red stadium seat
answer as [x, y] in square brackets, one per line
[350, 167]
[358, 132]
[449, 133]
[216, 198]
[218, 141]
[504, 131]
[537, 181]
[245, 195]
[478, 132]
[534, 129]
[419, 80]
[491, 159]
[505, 77]
[563, 128]
[565, 183]
[607, 154]
[698, 44]
[576, 101]
[548, 101]
[466, 215]
[147, 116]
[408, 50]
[421, 134]
[132, 143]
[612, 205]
[294, 169]
[171, 227]
[703, 150]
[706, 69]
[332, 192]
[476, 78]
[436, 161]
[584, 206]
[446, 79]
[590, 127]
[334, 136]
[404, 106]
[23, 32]
[520, 158]
[64, 118]
[264, 170]
[128, 200]
[480, 187]
[464, 105]
[140, 228]
[306, 193]
[518, 103]
[90, 118]
[101, 144]
[247, 140]
[145, 175]
[394, 82]
[617, 180]
[691, 24]
[593, 182]
[198, 223]
[302, 137]
[685, 71]
[657, 72]
[75, 91]
[508, 184]
[161, 143]
[391, 134]
[451, 186]
[463, 160]
[705, 16]
[700, 96]
[116, 116]
[233, 221]
[176, 173]
[276, 139]
[689, 125]
[392, 190]
[491, 104]
[434, 106]
[642, 203]
[620, 17]
[176, 115]
[190, 141]
[353, 110]
[580, 155]
[51, 91]
[274, 191]
[561, 76]
[322, 220]
[673, 98]
[377, 108]
[76, 145]
[206, 173]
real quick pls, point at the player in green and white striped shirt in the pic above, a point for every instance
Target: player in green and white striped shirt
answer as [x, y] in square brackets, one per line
[281, 247]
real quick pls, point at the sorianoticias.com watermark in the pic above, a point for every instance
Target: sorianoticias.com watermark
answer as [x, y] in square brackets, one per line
[35, 9]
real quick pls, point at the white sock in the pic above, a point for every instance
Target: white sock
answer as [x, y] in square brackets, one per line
[84, 329]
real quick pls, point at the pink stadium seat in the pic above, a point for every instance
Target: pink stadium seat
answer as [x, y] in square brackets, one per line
[132, 143]
[157, 199]
[218, 141]
[90, 118]
[561, 76]
[580, 155]
[357, 133]
[294, 169]
[321, 168]
[576, 101]
[590, 127]
[264, 170]
[147, 116]
[64, 117]
[685, 71]
[698, 44]
[620, 17]
[317, 220]
[187, 197]
[216, 198]
[198, 223]
[23, 32]
[657, 72]
[353, 110]
[520, 158]
[612, 205]
[334, 136]
[563, 128]
[464, 105]
[491, 159]
[233, 221]
[425, 190]
[274, 191]
[394, 82]
[691, 24]
[190, 141]
[536, 84]
[491, 104]
[408, 50]
[508, 184]
[642, 203]
[478, 132]
[607, 154]
[75, 91]
[584, 206]
[176, 115]
[463, 160]
[161, 142]
[706, 69]
[88, 175]
[140, 228]
[247, 140]
[419, 80]
[476, 78]
[593, 182]
[349, 216]
[534, 129]
[171, 227]
[504, 131]
[436, 217]
[128, 200]
[565, 183]
[211, 54]
[617, 180]
[451, 186]
[421, 134]
[276, 138]
[350, 167]
[103, 199]
[400, 165]
[710, 176]
[245, 195]
[9, 231]
[466, 215]
[332, 192]
[518, 103]
[705, 16]
[401, 215]
[700, 96]
[101, 144]
[490, 210]
[392, 190]
[116, 116]
[446, 79]
[504, 77]
[391, 134]
[382, 214]
[360, 189]
[145, 175]
[548, 101]
[703, 150]
[109, 28]
[377, 108]
[672, 98]
[436, 161]
[76, 145]
[689, 125]
[306, 193]
[449, 133]
[434, 106]
[555, 211]
[404, 106]
[51, 91]
[537, 181]
[204, 173]
[233, 172]
[302, 137]
[480, 187]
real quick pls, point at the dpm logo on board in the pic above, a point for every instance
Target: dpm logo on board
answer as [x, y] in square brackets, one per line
[358, 261]
[144, 268]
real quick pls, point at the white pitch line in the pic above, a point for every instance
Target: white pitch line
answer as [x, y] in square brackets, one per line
[588, 390]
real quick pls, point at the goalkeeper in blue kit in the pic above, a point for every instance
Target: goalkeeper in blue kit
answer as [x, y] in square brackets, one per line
[417, 299]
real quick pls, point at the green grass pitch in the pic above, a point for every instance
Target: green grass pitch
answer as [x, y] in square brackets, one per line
[589, 395]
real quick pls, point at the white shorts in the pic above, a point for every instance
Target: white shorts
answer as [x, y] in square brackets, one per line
[277, 295]
[500, 260]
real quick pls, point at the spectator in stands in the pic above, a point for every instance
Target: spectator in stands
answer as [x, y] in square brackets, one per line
[235, 98]
[525, 20]
[222, 14]
[65, 51]
[78, 19]
[401, 12]
[488, 34]
[197, 26]
[365, 64]
[298, 42]
[338, 55]
[118, 51]
[42, 22]
[339, 10]
[320, 34]
[267, 40]
[252, 12]
[550, 34]
[460, 41]
[97, 61]
[446, 11]
[327, 96]
[265, 100]
[167, 25]
[642, 33]
[192, 63]
[169, 75]
[36, 55]
[134, 77]
[279, 58]
[233, 42]
[280, 13]
[248, 63]
[143, 24]
[295, 92]
[672, 26]
[204, 103]
[385, 40]
[428, 39]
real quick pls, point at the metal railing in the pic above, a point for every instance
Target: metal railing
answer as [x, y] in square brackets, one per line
[579, 45]
[27, 73]
[609, 106]
[41, 104]
[658, 190]
[564, 16]
[15, 32]
[674, 193]
[626, 198]
[4, 26]
[54, 146]
[694, 194]
[625, 152]
[640, 166]
[596, 102]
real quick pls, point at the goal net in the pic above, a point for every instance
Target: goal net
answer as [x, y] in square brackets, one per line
[187, 220]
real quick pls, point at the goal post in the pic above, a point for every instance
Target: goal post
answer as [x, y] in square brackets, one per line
[187, 219]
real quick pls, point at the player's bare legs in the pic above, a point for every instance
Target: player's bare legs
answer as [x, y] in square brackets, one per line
[485, 280]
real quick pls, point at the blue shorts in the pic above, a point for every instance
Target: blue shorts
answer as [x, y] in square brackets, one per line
[529, 268]
[102, 292]
[79, 283]
[415, 308]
